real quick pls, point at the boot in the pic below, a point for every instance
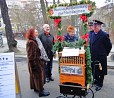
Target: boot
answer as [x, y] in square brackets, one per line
[35, 90]
[98, 88]
[43, 93]
[47, 80]
[51, 79]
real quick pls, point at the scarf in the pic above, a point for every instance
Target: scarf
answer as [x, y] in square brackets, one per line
[42, 50]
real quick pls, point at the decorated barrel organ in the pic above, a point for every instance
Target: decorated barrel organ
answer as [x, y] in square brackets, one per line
[73, 74]
[75, 70]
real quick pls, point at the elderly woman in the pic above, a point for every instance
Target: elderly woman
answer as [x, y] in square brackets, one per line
[35, 64]
[70, 35]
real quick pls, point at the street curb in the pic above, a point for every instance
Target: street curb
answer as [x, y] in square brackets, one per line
[110, 67]
[21, 56]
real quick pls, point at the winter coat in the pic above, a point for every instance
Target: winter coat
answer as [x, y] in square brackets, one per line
[100, 46]
[35, 65]
[69, 38]
[47, 41]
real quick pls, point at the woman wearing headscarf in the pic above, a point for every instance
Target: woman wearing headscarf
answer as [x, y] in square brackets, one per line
[35, 63]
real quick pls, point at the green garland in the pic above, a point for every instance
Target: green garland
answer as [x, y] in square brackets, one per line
[59, 45]
[89, 77]
[88, 63]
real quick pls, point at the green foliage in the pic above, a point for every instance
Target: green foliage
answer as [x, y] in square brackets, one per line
[77, 44]
[88, 63]
[59, 26]
[84, 28]
[59, 33]
[58, 46]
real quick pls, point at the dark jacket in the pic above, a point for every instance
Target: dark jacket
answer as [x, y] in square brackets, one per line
[100, 46]
[47, 41]
[69, 38]
[90, 32]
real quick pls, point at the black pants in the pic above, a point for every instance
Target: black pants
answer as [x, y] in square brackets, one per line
[97, 74]
[48, 68]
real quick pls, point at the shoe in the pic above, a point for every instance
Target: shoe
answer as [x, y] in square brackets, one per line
[47, 80]
[42, 94]
[98, 88]
[51, 79]
[35, 90]
[94, 84]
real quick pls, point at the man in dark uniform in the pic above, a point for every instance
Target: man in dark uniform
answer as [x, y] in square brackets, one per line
[47, 40]
[100, 46]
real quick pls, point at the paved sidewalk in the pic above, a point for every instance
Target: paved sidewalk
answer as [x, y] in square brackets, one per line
[53, 86]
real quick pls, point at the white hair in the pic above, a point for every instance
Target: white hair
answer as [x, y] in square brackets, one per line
[45, 25]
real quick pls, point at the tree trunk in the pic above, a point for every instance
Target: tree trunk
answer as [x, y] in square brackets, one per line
[44, 11]
[58, 1]
[46, 3]
[9, 33]
[73, 17]
[53, 1]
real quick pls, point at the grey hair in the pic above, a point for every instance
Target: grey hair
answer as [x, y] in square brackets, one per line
[36, 30]
[45, 25]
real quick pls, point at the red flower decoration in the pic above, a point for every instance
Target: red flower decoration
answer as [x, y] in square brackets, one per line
[83, 17]
[57, 21]
[85, 37]
[59, 38]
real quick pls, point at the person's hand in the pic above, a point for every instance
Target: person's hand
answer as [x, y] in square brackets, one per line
[86, 44]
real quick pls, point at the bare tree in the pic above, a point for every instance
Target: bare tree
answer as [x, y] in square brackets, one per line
[53, 1]
[44, 11]
[27, 16]
[12, 43]
[58, 1]
[46, 3]
[73, 17]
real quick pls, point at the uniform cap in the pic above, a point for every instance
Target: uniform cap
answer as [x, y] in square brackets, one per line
[90, 23]
[97, 22]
